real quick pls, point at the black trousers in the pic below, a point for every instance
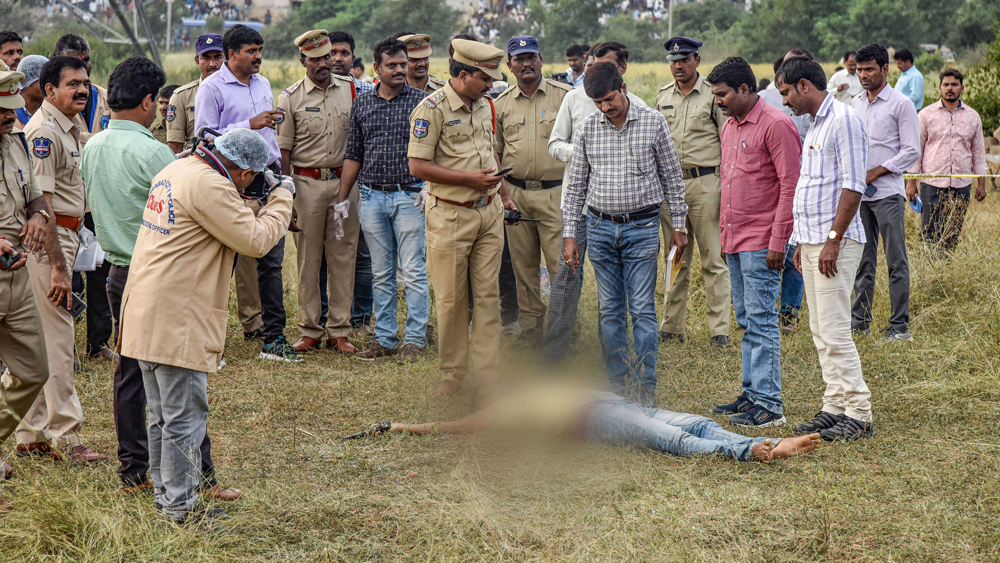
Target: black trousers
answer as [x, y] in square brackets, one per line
[98, 308]
[130, 405]
[272, 290]
[943, 214]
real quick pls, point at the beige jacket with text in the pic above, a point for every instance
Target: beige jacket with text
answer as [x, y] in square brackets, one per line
[176, 304]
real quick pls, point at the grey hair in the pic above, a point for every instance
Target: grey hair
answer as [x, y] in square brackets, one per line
[70, 42]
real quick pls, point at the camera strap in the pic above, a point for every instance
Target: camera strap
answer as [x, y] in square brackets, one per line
[208, 158]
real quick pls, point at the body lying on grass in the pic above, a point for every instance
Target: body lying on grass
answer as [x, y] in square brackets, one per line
[608, 418]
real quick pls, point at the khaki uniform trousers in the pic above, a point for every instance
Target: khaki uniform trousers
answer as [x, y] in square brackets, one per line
[528, 241]
[464, 247]
[248, 307]
[314, 203]
[829, 302]
[56, 416]
[703, 196]
[22, 348]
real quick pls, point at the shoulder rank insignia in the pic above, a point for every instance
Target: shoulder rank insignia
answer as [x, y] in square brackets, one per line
[287, 93]
[434, 99]
[41, 147]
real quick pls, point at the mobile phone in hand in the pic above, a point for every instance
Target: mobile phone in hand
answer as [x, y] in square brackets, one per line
[870, 190]
[79, 306]
[504, 172]
[8, 260]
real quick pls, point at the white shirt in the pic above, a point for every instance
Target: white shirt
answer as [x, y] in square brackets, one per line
[576, 107]
[843, 77]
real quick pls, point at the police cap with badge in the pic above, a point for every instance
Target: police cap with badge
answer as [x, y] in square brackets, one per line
[314, 44]
[480, 56]
[10, 89]
[522, 44]
[418, 46]
[207, 42]
[681, 48]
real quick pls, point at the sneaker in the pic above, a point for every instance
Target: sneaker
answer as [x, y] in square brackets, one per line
[374, 350]
[895, 335]
[665, 336]
[720, 341]
[757, 417]
[821, 421]
[787, 321]
[280, 351]
[848, 429]
[251, 336]
[408, 353]
[741, 404]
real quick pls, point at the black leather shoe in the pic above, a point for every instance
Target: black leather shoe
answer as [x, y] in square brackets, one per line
[720, 341]
[664, 336]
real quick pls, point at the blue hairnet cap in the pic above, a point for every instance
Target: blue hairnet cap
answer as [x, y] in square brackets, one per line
[246, 148]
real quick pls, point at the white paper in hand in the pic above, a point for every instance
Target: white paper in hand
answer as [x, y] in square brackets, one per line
[672, 271]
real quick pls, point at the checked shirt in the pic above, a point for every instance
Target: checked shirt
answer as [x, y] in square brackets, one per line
[380, 134]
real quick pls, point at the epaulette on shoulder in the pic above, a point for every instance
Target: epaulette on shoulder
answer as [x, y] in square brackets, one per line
[340, 78]
[501, 95]
[291, 89]
[188, 86]
[560, 85]
[668, 86]
[434, 99]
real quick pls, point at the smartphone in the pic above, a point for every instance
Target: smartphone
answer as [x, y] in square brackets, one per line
[8, 260]
[504, 172]
[79, 306]
[870, 190]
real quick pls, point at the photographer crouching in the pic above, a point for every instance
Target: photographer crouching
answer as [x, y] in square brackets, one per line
[175, 304]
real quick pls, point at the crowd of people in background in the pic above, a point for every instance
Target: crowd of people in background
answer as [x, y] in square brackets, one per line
[448, 184]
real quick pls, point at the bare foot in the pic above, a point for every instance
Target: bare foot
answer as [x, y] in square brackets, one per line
[798, 445]
[762, 451]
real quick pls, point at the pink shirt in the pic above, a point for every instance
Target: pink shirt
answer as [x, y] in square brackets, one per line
[760, 167]
[951, 142]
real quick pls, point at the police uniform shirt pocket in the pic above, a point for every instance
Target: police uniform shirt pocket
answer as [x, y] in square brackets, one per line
[669, 112]
[308, 122]
[513, 128]
[456, 140]
[545, 125]
[342, 117]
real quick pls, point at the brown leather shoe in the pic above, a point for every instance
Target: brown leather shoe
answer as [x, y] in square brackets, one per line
[218, 493]
[83, 454]
[374, 350]
[447, 388]
[37, 449]
[408, 353]
[342, 345]
[305, 344]
[105, 353]
[147, 485]
[8, 471]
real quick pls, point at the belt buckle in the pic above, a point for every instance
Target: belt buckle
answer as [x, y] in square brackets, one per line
[532, 184]
[480, 202]
[327, 173]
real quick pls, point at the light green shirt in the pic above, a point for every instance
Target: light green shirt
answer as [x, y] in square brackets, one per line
[118, 167]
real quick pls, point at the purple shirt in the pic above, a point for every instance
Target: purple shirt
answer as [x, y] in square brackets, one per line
[223, 103]
[894, 138]
[833, 160]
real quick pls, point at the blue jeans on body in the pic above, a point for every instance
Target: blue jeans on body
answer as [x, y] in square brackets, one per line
[792, 289]
[755, 296]
[394, 229]
[178, 417]
[617, 421]
[624, 256]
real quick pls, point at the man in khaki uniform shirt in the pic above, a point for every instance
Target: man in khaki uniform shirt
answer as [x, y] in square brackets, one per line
[525, 115]
[452, 147]
[23, 225]
[96, 114]
[418, 53]
[312, 137]
[53, 133]
[180, 112]
[695, 123]
[175, 306]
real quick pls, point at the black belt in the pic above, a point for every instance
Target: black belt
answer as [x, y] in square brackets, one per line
[534, 184]
[414, 187]
[691, 173]
[644, 213]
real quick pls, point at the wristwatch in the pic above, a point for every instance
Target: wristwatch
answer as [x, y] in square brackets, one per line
[48, 218]
[835, 236]
[682, 230]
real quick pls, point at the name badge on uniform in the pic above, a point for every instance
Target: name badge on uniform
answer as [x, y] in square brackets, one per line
[454, 122]
[314, 110]
[420, 128]
[666, 107]
[75, 153]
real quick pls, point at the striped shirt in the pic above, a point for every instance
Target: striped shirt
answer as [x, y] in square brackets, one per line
[833, 159]
[623, 171]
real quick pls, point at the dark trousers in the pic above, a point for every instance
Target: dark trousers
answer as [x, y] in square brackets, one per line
[564, 303]
[883, 219]
[364, 300]
[272, 293]
[509, 311]
[130, 405]
[943, 214]
[98, 308]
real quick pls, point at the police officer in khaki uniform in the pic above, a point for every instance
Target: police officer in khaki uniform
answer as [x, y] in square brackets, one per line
[695, 123]
[452, 147]
[418, 53]
[525, 115]
[96, 113]
[24, 218]
[312, 137]
[180, 112]
[53, 424]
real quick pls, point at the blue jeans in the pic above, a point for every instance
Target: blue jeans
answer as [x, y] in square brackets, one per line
[755, 296]
[792, 287]
[616, 421]
[394, 229]
[624, 256]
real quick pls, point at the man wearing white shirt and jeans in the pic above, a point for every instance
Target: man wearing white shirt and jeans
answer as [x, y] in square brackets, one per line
[830, 238]
[565, 296]
[845, 84]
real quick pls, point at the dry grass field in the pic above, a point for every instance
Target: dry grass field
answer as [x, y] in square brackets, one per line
[925, 489]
